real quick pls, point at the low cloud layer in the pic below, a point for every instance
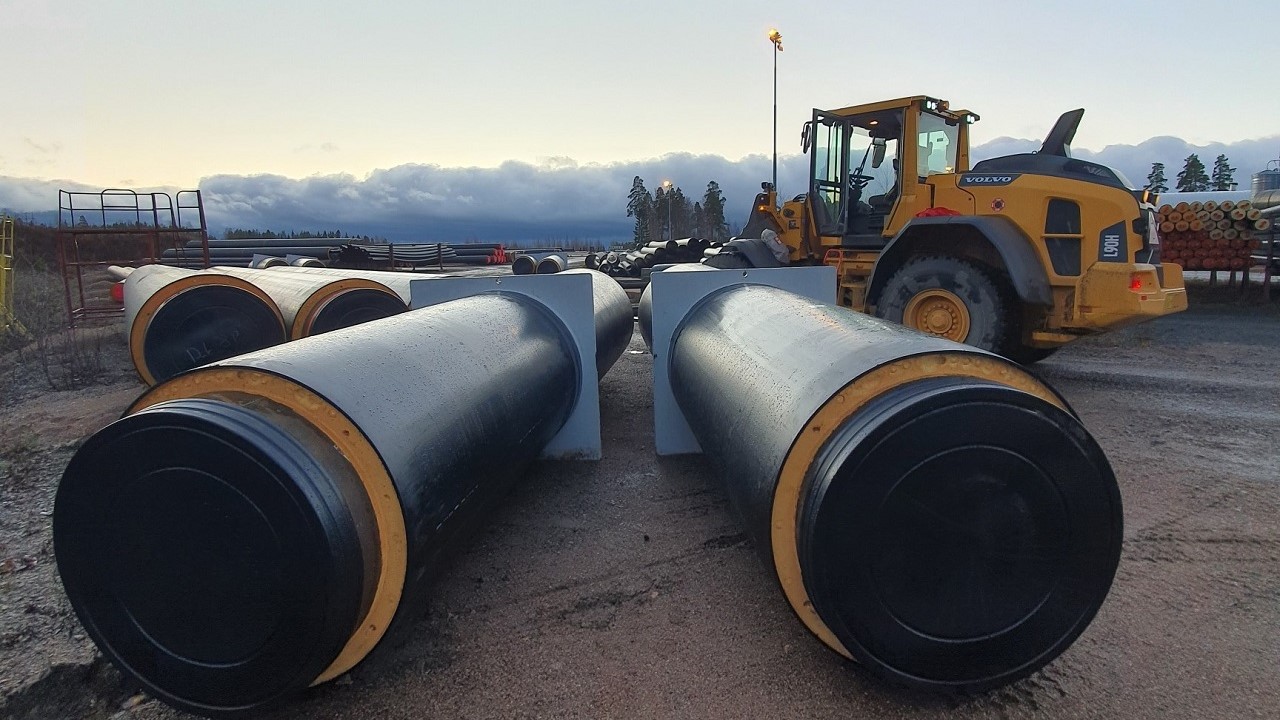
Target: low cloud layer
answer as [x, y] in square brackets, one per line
[1134, 161]
[515, 201]
[555, 200]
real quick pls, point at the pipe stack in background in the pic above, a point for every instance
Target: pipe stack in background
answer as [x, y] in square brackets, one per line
[353, 252]
[929, 509]
[420, 255]
[658, 252]
[539, 263]
[251, 527]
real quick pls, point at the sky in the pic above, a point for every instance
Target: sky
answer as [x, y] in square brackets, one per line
[501, 109]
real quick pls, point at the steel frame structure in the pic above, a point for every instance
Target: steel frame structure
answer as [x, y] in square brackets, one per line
[118, 226]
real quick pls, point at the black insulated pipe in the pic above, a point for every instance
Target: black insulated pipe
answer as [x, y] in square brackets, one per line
[524, 265]
[398, 281]
[644, 307]
[180, 319]
[612, 315]
[551, 264]
[313, 304]
[930, 510]
[251, 527]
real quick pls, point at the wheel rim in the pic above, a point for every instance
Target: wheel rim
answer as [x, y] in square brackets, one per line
[938, 312]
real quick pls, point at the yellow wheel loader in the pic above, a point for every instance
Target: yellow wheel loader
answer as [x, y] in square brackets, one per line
[1018, 255]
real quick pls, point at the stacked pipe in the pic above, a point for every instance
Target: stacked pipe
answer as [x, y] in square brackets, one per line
[241, 252]
[399, 282]
[931, 510]
[180, 319]
[252, 527]
[539, 262]
[631, 263]
[421, 255]
[247, 252]
[1210, 235]
[312, 303]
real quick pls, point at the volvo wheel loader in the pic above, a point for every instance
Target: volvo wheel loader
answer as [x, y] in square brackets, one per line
[1018, 255]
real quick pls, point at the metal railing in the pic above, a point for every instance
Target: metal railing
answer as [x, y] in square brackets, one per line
[119, 227]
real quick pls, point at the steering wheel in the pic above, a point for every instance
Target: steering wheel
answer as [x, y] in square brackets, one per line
[858, 181]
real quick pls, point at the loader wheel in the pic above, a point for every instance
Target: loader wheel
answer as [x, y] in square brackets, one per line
[950, 298]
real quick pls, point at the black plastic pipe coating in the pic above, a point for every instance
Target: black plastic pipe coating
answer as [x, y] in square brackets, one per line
[930, 510]
[251, 527]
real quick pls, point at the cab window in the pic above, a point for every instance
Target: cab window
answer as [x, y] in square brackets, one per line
[937, 143]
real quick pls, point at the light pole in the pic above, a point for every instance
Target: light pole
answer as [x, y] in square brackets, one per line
[776, 38]
[666, 193]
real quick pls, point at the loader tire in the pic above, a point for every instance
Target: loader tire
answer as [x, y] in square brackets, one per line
[951, 298]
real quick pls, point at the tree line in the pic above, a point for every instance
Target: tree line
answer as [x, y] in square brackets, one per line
[667, 214]
[1193, 177]
[255, 234]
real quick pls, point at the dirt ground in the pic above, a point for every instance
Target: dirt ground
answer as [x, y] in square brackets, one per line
[624, 588]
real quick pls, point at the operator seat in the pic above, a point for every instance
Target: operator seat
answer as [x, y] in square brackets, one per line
[881, 204]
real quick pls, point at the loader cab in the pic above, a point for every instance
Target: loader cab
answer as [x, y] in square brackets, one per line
[852, 161]
[870, 166]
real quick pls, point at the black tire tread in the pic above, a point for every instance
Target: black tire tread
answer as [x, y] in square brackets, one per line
[1006, 336]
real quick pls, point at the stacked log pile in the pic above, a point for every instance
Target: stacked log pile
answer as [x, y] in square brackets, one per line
[1210, 235]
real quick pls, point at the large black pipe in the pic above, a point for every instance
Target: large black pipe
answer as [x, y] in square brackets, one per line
[613, 317]
[400, 282]
[524, 265]
[930, 509]
[179, 319]
[313, 304]
[644, 308]
[552, 264]
[611, 305]
[251, 527]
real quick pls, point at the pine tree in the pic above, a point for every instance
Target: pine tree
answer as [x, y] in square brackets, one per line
[713, 209]
[1223, 174]
[681, 215]
[657, 216]
[699, 220]
[640, 206]
[1156, 181]
[1193, 178]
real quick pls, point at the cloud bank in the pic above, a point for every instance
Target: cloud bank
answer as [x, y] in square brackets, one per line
[556, 199]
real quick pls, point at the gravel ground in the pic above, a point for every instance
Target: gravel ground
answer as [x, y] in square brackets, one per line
[624, 588]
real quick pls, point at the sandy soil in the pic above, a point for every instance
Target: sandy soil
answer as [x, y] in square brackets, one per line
[625, 588]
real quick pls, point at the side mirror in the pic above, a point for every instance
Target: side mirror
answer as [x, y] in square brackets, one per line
[877, 152]
[804, 136]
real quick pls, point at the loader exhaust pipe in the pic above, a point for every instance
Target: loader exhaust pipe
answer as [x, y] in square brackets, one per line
[180, 319]
[930, 510]
[252, 527]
